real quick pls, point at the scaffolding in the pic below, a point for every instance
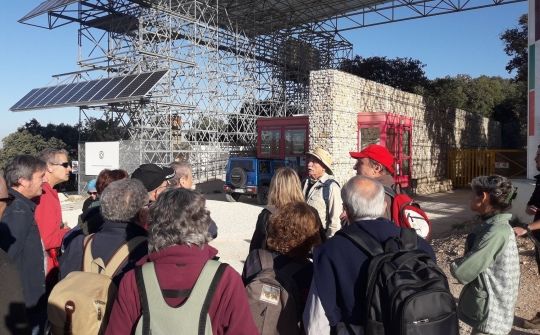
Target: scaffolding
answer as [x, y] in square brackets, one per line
[228, 62]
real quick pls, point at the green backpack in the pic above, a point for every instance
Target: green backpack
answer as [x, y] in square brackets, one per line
[159, 318]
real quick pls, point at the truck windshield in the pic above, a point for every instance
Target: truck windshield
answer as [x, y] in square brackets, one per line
[244, 164]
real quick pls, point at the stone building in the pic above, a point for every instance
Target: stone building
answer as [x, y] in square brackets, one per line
[336, 99]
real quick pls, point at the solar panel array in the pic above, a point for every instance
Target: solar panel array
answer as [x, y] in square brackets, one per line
[88, 93]
[46, 6]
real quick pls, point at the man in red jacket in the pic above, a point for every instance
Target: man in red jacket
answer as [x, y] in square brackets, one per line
[48, 212]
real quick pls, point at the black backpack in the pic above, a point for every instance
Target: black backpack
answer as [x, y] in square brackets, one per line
[406, 292]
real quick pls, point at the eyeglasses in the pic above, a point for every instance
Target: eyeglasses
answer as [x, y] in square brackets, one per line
[65, 165]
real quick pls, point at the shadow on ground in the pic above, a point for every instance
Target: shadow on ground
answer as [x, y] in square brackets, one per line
[447, 211]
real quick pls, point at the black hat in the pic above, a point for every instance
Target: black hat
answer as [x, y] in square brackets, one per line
[152, 175]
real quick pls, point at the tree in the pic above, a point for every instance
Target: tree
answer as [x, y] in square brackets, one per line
[406, 74]
[515, 46]
[23, 142]
[447, 92]
[68, 134]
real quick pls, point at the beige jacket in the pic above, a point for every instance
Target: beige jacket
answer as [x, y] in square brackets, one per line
[315, 199]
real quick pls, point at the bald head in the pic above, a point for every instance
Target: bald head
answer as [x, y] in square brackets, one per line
[363, 198]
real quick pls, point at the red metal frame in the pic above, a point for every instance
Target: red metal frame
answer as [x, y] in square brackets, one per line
[282, 124]
[392, 130]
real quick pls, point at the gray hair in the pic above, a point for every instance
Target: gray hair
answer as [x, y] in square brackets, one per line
[121, 200]
[499, 188]
[181, 169]
[48, 154]
[374, 163]
[22, 166]
[178, 216]
[363, 197]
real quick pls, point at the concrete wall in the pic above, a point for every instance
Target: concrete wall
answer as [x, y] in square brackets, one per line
[336, 98]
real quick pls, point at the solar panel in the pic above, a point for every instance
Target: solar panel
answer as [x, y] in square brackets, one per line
[77, 96]
[149, 83]
[107, 88]
[134, 85]
[120, 87]
[77, 87]
[44, 94]
[26, 97]
[46, 6]
[50, 96]
[67, 89]
[94, 92]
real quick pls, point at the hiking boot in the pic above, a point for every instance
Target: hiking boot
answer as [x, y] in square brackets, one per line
[533, 323]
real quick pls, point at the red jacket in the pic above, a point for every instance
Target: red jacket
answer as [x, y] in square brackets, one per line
[177, 268]
[48, 217]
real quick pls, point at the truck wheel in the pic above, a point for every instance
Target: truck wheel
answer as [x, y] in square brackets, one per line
[232, 197]
[238, 177]
[262, 195]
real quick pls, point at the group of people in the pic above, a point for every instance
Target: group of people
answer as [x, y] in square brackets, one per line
[171, 278]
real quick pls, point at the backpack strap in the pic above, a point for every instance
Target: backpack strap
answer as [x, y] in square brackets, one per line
[121, 255]
[266, 259]
[409, 239]
[144, 300]
[326, 195]
[210, 293]
[87, 253]
[362, 240]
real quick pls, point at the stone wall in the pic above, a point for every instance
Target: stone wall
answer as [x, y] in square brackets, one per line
[336, 98]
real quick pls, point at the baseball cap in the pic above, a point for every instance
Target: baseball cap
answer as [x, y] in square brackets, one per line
[152, 175]
[91, 186]
[377, 153]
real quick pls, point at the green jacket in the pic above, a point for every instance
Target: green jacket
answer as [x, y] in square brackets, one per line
[490, 272]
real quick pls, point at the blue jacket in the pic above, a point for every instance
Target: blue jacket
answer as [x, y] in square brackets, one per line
[340, 269]
[106, 241]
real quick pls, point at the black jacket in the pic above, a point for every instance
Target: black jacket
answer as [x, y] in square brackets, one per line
[340, 268]
[106, 241]
[12, 309]
[535, 197]
[19, 237]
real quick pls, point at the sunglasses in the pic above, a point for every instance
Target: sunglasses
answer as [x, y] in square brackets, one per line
[92, 193]
[65, 165]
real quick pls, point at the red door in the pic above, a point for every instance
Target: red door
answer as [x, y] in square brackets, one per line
[394, 132]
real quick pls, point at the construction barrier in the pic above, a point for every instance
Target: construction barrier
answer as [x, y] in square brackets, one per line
[465, 164]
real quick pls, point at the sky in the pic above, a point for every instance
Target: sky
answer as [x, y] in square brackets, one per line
[458, 43]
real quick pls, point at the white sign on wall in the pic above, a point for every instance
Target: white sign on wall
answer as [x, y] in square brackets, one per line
[101, 155]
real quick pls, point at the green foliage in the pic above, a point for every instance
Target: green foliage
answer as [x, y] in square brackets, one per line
[406, 74]
[23, 142]
[68, 134]
[515, 46]
[99, 130]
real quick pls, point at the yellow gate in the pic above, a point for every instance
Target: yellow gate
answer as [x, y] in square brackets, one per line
[465, 164]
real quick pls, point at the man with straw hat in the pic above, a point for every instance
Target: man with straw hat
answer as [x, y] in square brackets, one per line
[321, 191]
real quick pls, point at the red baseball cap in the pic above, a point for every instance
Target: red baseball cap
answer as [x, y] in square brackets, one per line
[378, 153]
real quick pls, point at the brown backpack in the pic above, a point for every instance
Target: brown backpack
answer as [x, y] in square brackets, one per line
[81, 302]
[274, 297]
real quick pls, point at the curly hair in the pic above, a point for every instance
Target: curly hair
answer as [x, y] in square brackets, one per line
[294, 230]
[499, 188]
[123, 199]
[107, 176]
[285, 188]
[178, 216]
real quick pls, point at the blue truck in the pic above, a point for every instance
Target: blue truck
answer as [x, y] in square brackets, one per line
[280, 142]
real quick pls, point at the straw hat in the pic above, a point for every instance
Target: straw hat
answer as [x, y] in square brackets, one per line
[323, 156]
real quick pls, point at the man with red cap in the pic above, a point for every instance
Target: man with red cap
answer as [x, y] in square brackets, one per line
[376, 162]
